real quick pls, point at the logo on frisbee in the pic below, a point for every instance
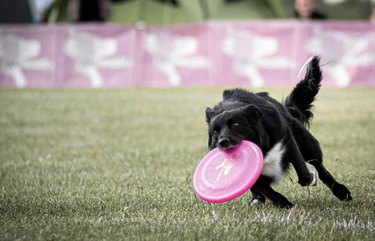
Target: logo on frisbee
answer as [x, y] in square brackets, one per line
[225, 167]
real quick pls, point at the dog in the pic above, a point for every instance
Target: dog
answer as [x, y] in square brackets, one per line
[281, 132]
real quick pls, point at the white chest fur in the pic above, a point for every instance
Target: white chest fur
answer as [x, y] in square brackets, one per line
[272, 162]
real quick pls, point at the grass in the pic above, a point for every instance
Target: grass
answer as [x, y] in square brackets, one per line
[117, 165]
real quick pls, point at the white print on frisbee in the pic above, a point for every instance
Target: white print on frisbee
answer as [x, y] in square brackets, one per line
[225, 167]
[272, 164]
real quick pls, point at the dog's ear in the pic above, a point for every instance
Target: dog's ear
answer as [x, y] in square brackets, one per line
[252, 111]
[209, 114]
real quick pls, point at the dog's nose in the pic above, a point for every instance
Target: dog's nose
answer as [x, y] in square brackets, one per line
[224, 143]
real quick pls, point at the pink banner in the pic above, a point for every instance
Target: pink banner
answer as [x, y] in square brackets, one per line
[247, 54]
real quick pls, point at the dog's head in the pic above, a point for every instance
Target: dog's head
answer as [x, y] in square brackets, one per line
[226, 128]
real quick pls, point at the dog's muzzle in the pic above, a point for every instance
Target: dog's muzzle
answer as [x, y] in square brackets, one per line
[225, 143]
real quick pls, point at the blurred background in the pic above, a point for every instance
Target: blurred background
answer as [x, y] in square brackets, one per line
[169, 43]
[167, 12]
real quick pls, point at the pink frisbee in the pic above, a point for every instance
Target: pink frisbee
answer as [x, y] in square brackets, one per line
[224, 175]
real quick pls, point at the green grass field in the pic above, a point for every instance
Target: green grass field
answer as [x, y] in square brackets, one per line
[118, 164]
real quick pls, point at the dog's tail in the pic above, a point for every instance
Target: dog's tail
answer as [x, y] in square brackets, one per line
[299, 102]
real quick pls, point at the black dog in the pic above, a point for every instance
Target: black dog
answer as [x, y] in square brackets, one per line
[280, 130]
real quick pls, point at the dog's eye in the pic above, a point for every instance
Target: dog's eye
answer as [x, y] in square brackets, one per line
[234, 125]
[216, 133]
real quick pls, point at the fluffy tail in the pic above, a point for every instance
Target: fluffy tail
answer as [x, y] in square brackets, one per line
[299, 101]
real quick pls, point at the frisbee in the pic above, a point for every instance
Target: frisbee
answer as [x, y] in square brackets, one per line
[224, 175]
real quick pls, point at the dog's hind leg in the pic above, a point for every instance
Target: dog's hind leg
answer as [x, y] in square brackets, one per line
[338, 189]
[312, 153]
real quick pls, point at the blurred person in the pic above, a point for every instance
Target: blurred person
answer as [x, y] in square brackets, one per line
[372, 15]
[90, 10]
[305, 9]
[38, 8]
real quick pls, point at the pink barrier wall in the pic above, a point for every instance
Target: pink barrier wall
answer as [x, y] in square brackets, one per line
[248, 54]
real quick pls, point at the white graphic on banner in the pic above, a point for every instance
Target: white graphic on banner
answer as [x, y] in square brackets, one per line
[91, 53]
[18, 54]
[250, 52]
[342, 51]
[172, 51]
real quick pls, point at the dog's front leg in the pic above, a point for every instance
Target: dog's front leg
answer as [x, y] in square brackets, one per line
[262, 188]
[277, 199]
[258, 199]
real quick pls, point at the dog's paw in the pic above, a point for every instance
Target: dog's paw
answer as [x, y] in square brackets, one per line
[284, 204]
[313, 179]
[256, 203]
[304, 181]
[341, 192]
